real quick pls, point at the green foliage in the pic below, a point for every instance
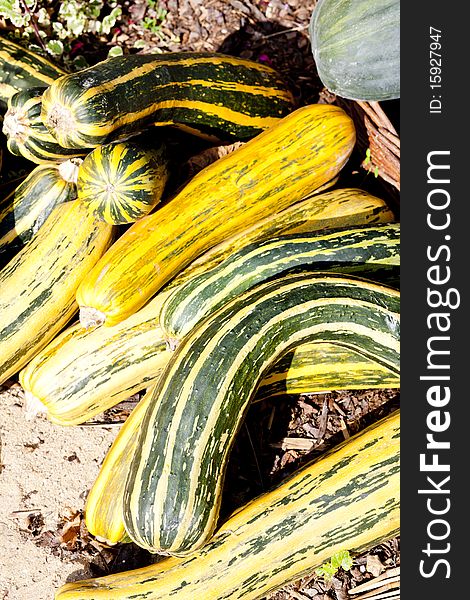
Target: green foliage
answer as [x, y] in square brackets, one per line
[58, 29]
[154, 19]
[341, 559]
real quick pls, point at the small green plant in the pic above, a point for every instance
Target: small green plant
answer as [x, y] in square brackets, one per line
[341, 559]
[57, 32]
[154, 20]
[367, 158]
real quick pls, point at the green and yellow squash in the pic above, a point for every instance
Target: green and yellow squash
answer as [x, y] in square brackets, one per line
[21, 69]
[372, 252]
[321, 367]
[122, 182]
[279, 167]
[82, 372]
[26, 133]
[174, 486]
[348, 499]
[25, 209]
[356, 47]
[212, 94]
[103, 509]
[37, 287]
[303, 370]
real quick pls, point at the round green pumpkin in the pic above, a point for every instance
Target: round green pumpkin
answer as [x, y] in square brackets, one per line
[122, 182]
[356, 47]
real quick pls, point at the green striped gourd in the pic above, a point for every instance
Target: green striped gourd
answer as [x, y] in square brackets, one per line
[25, 209]
[26, 133]
[122, 182]
[329, 210]
[310, 367]
[222, 96]
[370, 251]
[174, 486]
[279, 167]
[21, 69]
[37, 287]
[348, 499]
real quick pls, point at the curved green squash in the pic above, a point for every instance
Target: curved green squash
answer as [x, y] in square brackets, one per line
[174, 486]
[372, 252]
[279, 167]
[27, 135]
[303, 370]
[356, 47]
[122, 182]
[25, 209]
[226, 97]
[348, 499]
[21, 69]
[72, 378]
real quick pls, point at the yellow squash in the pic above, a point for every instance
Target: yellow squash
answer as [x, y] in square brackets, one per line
[37, 287]
[279, 167]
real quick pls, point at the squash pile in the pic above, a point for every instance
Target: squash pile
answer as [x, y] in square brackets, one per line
[250, 281]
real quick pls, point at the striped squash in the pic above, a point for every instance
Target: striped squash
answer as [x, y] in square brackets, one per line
[37, 287]
[21, 69]
[279, 167]
[347, 499]
[24, 210]
[26, 133]
[303, 370]
[71, 376]
[322, 367]
[174, 486]
[83, 372]
[329, 210]
[223, 96]
[372, 252]
[103, 509]
[122, 182]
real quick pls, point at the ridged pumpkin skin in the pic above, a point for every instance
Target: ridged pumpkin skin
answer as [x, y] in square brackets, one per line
[279, 167]
[347, 499]
[371, 252]
[122, 182]
[174, 486]
[25, 210]
[223, 96]
[37, 287]
[21, 69]
[27, 135]
[356, 47]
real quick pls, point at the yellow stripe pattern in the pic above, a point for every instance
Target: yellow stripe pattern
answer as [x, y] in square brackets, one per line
[173, 491]
[279, 167]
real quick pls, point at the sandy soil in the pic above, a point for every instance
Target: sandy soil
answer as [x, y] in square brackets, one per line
[45, 473]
